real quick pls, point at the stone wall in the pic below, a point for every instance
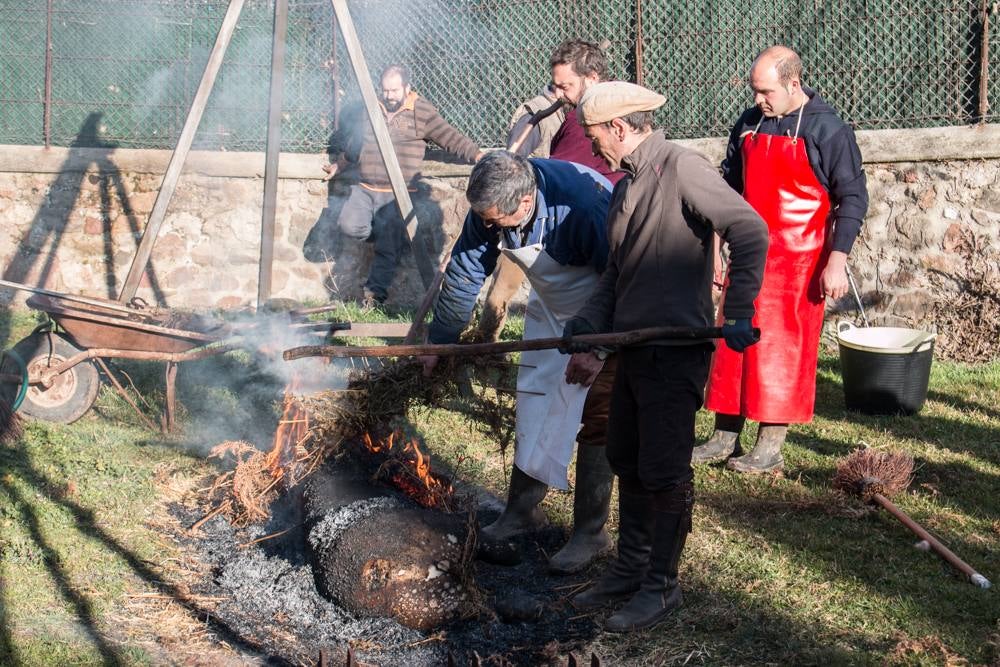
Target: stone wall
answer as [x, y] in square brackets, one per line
[72, 217]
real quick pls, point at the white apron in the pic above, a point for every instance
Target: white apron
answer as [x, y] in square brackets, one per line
[548, 408]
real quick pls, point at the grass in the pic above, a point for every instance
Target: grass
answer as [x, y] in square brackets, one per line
[779, 570]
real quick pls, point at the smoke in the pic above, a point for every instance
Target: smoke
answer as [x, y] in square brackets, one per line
[238, 396]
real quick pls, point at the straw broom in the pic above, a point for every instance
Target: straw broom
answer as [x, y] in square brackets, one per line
[874, 475]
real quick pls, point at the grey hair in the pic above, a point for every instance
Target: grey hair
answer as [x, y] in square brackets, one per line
[639, 120]
[500, 179]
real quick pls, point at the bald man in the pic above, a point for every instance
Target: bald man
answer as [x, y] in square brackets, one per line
[798, 164]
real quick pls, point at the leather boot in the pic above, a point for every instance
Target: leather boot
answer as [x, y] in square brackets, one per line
[660, 593]
[725, 441]
[766, 454]
[522, 512]
[625, 573]
[591, 502]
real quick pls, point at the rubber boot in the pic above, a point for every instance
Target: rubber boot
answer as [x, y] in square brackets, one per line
[766, 454]
[626, 571]
[660, 592]
[522, 512]
[591, 503]
[725, 441]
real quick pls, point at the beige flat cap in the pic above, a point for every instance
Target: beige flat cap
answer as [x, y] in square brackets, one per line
[613, 99]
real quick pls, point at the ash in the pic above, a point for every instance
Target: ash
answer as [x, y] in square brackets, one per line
[272, 604]
[326, 532]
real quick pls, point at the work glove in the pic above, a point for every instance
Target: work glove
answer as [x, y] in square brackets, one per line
[738, 333]
[576, 326]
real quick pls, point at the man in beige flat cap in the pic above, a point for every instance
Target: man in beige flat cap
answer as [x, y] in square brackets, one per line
[659, 273]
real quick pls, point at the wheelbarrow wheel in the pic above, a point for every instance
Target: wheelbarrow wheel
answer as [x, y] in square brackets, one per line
[71, 394]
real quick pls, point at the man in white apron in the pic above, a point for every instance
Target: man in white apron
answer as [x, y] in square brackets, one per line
[548, 217]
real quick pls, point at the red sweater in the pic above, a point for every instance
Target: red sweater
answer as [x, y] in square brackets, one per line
[572, 145]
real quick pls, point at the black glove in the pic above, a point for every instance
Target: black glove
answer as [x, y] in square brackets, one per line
[738, 334]
[576, 326]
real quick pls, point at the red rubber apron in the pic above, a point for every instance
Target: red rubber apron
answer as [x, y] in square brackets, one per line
[774, 381]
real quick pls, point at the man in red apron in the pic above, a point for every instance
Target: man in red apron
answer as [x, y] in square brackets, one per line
[798, 164]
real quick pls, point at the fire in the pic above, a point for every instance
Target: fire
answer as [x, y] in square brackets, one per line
[409, 469]
[288, 446]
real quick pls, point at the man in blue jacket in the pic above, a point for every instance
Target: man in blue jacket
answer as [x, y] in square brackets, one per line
[548, 217]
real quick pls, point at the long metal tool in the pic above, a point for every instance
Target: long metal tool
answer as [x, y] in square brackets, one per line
[618, 339]
[169, 184]
[382, 138]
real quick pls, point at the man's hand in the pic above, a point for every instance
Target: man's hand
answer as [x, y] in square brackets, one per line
[575, 326]
[738, 334]
[429, 362]
[583, 368]
[718, 267]
[331, 171]
[833, 280]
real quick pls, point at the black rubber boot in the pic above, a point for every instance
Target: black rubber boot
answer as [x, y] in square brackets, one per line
[522, 512]
[591, 503]
[725, 441]
[625, 573]
[766, 454]
[660, 593]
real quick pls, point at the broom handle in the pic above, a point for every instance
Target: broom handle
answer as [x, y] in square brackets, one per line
[621, 338]
[941, 549]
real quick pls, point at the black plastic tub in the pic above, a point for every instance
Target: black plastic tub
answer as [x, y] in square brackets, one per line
[886, 369]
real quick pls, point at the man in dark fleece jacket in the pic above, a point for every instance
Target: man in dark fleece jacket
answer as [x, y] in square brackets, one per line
[661, 223]
[798, 164]
[370, 213]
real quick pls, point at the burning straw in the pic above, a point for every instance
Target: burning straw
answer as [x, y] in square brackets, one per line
[314, 428]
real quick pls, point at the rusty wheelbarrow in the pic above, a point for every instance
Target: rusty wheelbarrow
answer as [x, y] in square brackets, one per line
[53, 375]
[60, 358]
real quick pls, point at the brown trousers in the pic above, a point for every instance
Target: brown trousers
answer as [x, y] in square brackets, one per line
[507, 279]
[594, 431]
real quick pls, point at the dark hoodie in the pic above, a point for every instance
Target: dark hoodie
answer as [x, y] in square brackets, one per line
[833, 154]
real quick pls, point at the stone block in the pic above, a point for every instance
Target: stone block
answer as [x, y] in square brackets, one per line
[93, 225]
[953, 239]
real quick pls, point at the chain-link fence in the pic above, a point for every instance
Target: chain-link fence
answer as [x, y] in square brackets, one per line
[123, 72]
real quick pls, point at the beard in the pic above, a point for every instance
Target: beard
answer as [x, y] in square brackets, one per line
[392, 106]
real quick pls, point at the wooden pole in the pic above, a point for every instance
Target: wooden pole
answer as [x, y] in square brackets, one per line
[984, 61]
[618, 339]
[382, 138]
[145, 249]
[939, 548]
[272, 152]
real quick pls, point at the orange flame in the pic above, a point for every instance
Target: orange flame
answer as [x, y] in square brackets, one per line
[290, 436]
[409, 469]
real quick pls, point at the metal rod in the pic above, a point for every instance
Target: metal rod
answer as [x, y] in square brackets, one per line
[47, 101]
[857, 297]
[639, 43]
[272, 151]
[177, 158]
[984, 62]
[124, 394]
[382, 137]
[623, 338]
[941, 549]
[533, 122]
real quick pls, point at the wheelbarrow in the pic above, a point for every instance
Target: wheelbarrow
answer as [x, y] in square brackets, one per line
[53, 375]
[59, 360]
